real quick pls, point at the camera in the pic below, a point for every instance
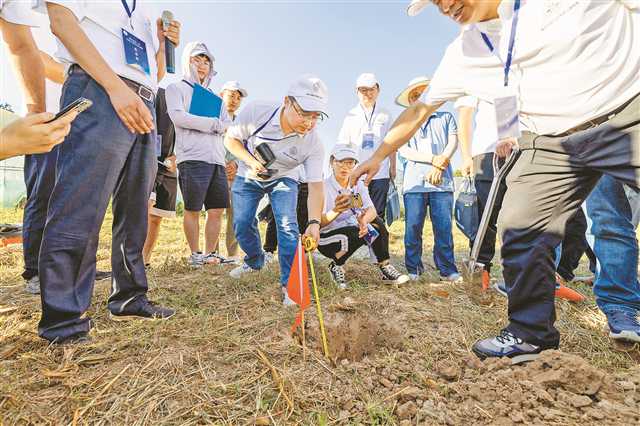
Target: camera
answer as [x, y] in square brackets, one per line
[265, 155]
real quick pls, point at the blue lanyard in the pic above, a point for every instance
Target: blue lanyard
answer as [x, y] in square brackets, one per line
[265, 125]
[512, 40]
[126, 7]
[370, 119]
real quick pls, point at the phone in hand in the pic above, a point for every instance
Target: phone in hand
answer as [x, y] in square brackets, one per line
[78, 105]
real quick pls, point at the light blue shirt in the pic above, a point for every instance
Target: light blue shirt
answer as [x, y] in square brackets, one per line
[432, 137]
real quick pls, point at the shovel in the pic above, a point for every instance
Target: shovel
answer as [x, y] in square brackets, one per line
[472, 269]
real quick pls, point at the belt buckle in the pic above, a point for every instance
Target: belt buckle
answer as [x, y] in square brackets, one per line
[145, 93]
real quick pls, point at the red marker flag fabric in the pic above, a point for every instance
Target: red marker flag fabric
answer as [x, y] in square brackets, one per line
[298, 285]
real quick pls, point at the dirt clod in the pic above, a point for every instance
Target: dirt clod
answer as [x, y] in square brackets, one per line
[407, 410]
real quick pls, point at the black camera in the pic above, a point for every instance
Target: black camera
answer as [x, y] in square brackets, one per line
[265, 155]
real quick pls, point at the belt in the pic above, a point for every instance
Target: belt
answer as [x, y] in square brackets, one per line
[597, 121]
[140, 89]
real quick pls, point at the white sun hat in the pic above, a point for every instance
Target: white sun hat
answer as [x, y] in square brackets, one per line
[403, 97]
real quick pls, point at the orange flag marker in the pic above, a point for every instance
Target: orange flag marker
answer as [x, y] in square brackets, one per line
[298, 285]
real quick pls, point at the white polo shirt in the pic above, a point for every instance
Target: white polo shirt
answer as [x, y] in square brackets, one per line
[485, 131]
[357, 123]
[331, 190]
[18, 12]
[573, 61]
[290, 151]
[103, 21]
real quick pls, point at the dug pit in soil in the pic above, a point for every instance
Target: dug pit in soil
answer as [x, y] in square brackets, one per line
[353, 334]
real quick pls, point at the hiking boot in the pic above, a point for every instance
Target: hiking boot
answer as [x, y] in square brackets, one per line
[215, 258]
[286, 300]
[32, 285]
[391, 274]
[623, 325]
[337, 275]
[103, 275]
[241, 270]
[142, 309]
[506, 345]
[269, 257]
[196, 260]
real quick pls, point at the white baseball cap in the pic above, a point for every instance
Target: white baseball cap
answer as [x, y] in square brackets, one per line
[342, 152]
[403, 97]
[233, 85]
[416, 6]
[367, 79]
[310, 93]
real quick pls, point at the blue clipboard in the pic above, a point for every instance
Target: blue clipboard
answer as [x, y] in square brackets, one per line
[204, 102]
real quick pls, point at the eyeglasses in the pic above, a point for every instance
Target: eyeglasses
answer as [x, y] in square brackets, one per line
[348, 163]
[306, 116]
[200, 60]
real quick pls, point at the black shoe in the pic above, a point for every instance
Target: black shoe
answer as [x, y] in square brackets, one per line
[102, 275]
[75, 339]
[143, 309]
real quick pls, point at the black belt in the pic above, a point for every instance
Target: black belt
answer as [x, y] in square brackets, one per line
[596, 121]
[140, 89]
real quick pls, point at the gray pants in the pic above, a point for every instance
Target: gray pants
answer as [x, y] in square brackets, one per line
[549, 182]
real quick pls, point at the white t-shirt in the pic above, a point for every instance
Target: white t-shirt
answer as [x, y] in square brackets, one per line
[290, 152]
[573, 61]
[18, 12]
[331, 190]
[485, 131]
[103, 22]
[357, 123]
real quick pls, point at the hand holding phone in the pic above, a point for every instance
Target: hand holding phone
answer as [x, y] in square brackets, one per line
[78, 106]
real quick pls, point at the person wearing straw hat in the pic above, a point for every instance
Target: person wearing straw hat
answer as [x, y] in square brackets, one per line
[350, 221]
[567, 98]
[270, 140]
[428, 183]
[365, 127]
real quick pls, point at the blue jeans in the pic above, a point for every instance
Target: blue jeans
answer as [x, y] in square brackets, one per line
[283, 195]
[441, 210]
[612, 236]
[98, 160]
[39, 178]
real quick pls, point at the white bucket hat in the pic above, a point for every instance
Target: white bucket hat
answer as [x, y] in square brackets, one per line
[403, 97]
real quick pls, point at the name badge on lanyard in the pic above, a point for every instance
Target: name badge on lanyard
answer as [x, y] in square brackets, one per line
[135, 50]
[368, 137]
[506, 107]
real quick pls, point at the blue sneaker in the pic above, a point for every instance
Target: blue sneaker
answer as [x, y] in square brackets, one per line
[623, 325]
[507, 345]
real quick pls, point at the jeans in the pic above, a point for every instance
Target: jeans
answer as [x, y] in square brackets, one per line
[271, 235]
[378, 191]
[613, 237]
[99, 159]
[39, 178]
[283, 196]
[440, 208]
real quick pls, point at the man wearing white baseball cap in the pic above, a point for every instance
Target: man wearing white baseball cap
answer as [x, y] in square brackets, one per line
[566, 94]
[350, 221]
[365, 127]
[270, 141]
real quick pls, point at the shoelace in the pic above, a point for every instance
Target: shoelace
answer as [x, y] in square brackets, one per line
[625, 316]
[506, 337]
[390, 272]
[338, 272]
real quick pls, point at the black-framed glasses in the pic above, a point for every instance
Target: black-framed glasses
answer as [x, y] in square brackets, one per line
[306, 116]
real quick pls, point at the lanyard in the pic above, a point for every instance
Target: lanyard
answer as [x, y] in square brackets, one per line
[370, 119]
[512, 40]
[265, 125]
[129, 11]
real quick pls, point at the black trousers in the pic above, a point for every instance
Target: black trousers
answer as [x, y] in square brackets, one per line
[546, 187]
[346, 241]
[302, 213]
[574, 246]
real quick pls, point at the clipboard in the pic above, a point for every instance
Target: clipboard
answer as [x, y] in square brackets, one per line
[204, 102]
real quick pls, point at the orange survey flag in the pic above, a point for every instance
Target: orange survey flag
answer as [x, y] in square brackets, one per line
[298, 285]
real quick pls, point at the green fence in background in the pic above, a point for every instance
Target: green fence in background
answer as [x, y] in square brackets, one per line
[12, 189]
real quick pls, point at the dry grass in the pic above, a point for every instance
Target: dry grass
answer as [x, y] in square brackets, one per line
[227, 358]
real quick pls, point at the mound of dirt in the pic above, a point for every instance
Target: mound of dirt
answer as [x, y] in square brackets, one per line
[353, 332]
[556, 388]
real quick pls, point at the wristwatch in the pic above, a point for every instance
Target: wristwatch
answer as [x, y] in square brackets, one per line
[313, 222]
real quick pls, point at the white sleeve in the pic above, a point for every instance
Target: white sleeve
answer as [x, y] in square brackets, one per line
[466, 101]
[343, 136]
[181, 118]
[314, 163]
[244, 125]
[18, 12]
[447, 82]
[77, 7]
[631, 4]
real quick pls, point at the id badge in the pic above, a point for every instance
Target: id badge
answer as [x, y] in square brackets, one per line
[507, 119]
[135, 52]
[367, 140]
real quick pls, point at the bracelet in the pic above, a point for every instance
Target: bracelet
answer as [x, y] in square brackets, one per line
[313, 222]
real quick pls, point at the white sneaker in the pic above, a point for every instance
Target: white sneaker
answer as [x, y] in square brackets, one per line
[241, 270]
[414, 277]
[337, 275]
[454, 278]
[286, 300]
[32, 285]
[214, 258]
[196, 260]
[269, 257]
[391, 274]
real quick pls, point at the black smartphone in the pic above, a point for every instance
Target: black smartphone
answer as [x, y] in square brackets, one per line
[79, 105]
